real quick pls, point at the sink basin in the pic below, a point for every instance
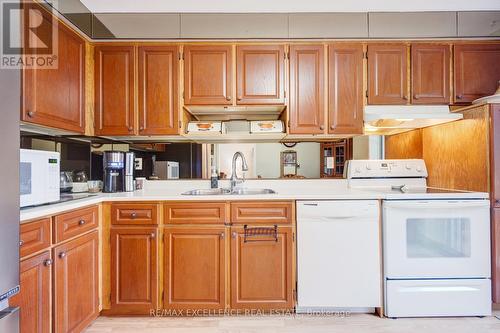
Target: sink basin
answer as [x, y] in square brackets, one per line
[252, 191]
[210, 191]
[225, 191]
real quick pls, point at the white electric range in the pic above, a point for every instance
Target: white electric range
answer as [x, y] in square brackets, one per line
[436, 242]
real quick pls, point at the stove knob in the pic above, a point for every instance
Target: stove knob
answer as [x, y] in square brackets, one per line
[368, 167]
[408, 167]
[419, 169]
[357, 170]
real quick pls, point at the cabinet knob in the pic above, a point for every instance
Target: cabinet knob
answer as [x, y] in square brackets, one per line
[30, 114]
[62, 255]
[332, 127]
[141, 128]
[460, 96]
[234, 234]
[222, 235]
[47, 262]
[21, 242]
[321, 127]
[415, 96]
[228, 98]
[405, 98]
[133, 215]
[81, 222]
[153, 235]
[130, 129]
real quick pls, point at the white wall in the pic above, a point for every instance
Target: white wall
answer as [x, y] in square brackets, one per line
[289, 6]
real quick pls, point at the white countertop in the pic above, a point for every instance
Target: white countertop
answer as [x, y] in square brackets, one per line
[303, 189]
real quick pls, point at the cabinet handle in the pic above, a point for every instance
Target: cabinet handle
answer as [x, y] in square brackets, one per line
[133, 215]
[233, 234]
[47, 262]
[153, 235]
[62, 255]
[222, 235]
[21, 242]
[321, 127]
[81, 222]
[460, 96]
[238, 99]
[30, 114]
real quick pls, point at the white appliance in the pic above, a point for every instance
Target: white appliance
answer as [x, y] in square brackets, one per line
[38, 177]
[167, 170]
[338, 256]
[436, 242]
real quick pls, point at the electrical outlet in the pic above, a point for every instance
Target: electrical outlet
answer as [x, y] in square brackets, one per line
[138, 163]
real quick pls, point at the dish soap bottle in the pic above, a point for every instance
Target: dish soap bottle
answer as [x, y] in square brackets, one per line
[214, 179]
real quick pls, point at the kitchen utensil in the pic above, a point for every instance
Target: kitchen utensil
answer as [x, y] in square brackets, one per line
[94, 186]
[66, 181]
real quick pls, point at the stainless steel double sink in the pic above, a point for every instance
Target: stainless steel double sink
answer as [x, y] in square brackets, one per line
[226, 191]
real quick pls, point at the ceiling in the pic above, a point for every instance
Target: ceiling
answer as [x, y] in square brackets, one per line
[285, 6]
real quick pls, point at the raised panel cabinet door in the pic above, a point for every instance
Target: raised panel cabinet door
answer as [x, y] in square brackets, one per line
[34, 297]
[76, 282]
[387, 74]
[495, 248]
[495, 155]
[261, 270]
[430, 74]
[345, 89]
[260, 74]
[195, 268]
[114, 90]
[55, 97]
[307, 111]
[477, 71]
[134, 270]
[208, 74]
[158, 90]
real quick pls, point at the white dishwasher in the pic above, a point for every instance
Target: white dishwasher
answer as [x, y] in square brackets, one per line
[338, 255]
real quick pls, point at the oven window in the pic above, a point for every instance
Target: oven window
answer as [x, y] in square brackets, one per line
[438, 237]
[25, 178]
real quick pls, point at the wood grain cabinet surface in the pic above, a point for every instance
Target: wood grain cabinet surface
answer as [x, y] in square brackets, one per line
[76, 283]
[259, 212]
[74, 223]
[261, 270]
[476, 71]
[345, 89]
[34, 237]
[195, 261]
[430, 73]
[134, 273]
[55, 97]
[208, 71]
[34, 297]
[495, 155]
[158, 90]
[260, 74]
[195, 212]
[114, 90]
[387, 74]
[306, 109]
[130, 213]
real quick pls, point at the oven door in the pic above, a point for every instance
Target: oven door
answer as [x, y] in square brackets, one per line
[436, 239]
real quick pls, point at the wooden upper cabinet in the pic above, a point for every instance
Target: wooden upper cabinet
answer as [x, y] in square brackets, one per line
[134, 273]
[387, 74]
[261, 270]
[208, 74]
[430, 74]
[114, 90]
[195, 268]
[345, 89]
[260, 74]
[55, 97]
[477, 71]
[76, 283]
[158, 90]
[307, 111]
[34, 297]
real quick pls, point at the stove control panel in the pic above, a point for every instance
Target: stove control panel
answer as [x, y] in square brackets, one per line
[411, 168]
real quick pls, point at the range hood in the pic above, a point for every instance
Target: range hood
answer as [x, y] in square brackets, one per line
[393, 119]
[239, 112]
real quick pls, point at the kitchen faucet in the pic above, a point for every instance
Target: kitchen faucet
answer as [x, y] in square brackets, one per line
[244, 167]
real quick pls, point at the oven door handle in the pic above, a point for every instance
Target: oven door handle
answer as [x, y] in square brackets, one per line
[437, 204]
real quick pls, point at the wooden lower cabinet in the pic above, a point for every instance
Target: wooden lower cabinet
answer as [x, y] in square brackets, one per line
[134, 272]
[34, 298]
[195, 262]
[261, 270]
[76, 283]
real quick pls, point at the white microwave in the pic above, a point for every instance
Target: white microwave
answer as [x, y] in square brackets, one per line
[167, 169]
[38, 177]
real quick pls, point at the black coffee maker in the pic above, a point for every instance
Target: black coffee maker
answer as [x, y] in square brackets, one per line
[114, 171]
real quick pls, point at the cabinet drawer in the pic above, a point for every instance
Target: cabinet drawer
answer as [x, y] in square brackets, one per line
[195, 212]
[74, 223]
[134, 214]
[34, 236]
[281, 212]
